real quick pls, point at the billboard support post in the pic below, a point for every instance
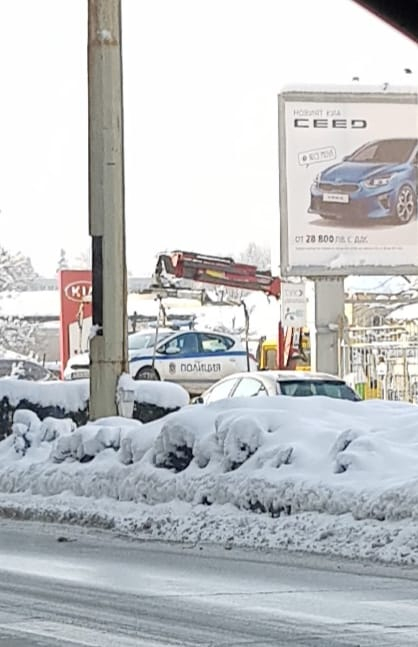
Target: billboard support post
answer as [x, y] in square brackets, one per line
[329, 313]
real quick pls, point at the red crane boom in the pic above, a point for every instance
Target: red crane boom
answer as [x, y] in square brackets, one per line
[218, 270]
[221, 270]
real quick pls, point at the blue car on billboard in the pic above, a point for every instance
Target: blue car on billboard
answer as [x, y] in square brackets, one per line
[378, 181]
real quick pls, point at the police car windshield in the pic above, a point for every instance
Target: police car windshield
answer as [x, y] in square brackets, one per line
[140, 340]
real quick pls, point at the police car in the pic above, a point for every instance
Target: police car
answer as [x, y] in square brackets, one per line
[78, 366]
[194, 359]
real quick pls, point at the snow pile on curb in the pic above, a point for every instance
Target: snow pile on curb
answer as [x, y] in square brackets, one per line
[339, 536]
[316, 463]
[73, 396]
[161, 394]
[69, 396]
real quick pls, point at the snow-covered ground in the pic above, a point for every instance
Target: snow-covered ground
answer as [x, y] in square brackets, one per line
[318, 475]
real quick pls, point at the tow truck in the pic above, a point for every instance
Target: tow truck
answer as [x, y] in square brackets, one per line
[291, 345]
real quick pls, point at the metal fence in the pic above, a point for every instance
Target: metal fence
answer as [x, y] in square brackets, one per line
[381, 362]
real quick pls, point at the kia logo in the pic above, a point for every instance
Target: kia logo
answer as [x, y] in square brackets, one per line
[78, 291]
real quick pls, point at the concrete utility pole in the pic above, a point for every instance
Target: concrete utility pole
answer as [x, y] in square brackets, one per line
[108, 348]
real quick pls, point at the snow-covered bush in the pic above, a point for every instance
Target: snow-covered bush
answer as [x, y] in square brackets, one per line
[52, 428]
[58, 399]
[268, 455]
[173, 448]
[16, 272]
[239, 438]
[25, 430]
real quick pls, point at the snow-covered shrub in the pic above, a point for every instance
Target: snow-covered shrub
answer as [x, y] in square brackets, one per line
[173, 447]
[20, 440]
[239, 437]
[52, 428]
[275, 456]
[25, 430]
[206, 449]
[71, 447]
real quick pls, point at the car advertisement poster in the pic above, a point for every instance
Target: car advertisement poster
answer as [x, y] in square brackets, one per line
[348, 183]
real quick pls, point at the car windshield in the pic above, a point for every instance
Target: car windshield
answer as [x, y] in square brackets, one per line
[24, 369]
[331, 389]
[139, 340]
[389, 151]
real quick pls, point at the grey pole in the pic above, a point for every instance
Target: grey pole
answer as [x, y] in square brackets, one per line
[108, 347]
[329, 315]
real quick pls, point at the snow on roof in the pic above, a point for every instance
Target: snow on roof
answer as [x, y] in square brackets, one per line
[378, 284]
[264, 313]
[406, 313]
[47, 304]
[30, 304]
[10, 354]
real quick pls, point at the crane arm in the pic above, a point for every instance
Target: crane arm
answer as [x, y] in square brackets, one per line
[217, 270]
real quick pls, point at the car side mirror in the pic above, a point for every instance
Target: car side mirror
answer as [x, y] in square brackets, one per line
[198, 400]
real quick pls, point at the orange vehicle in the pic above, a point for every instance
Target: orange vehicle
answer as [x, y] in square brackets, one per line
[299, 358]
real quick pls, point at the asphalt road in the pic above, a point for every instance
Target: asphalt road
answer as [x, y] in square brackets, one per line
[99, 590]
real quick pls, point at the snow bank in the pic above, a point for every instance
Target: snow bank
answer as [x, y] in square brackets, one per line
[340, 536]
[73, 396]
[161, 394]
[319, 458]
[69, 396]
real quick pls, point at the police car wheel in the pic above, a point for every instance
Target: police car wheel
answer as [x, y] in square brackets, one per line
[147, 373]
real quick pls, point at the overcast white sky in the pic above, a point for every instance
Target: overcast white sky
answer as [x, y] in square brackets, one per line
[201, 79]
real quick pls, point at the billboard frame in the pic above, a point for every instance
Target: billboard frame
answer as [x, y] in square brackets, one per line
[333, 94]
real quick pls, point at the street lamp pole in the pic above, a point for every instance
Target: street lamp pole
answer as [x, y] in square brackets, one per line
[108, 346]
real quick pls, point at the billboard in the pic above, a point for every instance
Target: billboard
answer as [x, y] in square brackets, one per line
[75, 287]
[348, 182]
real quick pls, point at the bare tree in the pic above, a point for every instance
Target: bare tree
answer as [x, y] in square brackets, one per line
[62, 260]
[18, 335]
[16, 271]
[253, 254]
[83, 260]
[257, 255]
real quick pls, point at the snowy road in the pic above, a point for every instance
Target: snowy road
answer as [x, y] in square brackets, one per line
[66, 586]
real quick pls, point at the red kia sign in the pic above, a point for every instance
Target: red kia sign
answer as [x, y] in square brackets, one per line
[75, 288]
[78, 291]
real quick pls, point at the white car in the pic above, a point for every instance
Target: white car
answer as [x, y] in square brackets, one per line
[270, 383]
[78, 366]
[193, 359]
